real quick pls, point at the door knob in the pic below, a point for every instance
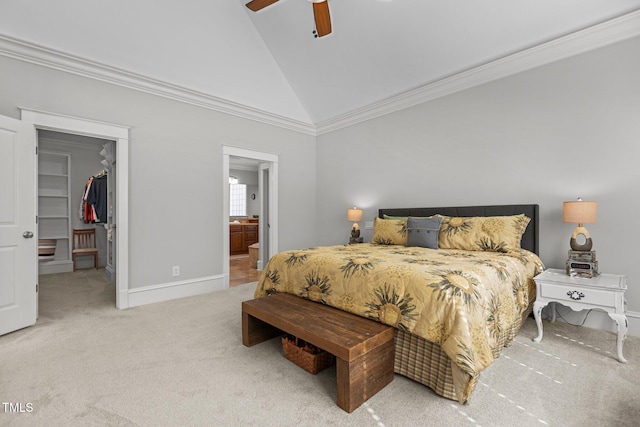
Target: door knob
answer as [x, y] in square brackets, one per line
[27, 234]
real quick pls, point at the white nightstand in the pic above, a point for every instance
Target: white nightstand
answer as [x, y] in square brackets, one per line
[604, 292]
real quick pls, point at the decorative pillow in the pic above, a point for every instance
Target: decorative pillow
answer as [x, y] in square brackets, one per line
[423, 232]
[397, 218]
[389, 232]
[490, 233]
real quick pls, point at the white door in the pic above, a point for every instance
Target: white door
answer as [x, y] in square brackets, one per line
[18, 230]
[268, 183]
[265, 226]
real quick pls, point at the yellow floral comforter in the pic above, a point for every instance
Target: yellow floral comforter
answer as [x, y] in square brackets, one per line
[471, 303]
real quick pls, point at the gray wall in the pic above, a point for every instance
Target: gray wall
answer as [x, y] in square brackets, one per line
[551, 134]
[175, 176]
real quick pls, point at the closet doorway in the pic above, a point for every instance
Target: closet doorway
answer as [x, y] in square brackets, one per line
[119, 136]
[250, 233]
[76, 191]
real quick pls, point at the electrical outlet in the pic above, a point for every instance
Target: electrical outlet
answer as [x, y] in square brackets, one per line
[176, 270]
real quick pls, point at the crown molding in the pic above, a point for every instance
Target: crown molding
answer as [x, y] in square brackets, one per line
[50, 58]
[597, 36]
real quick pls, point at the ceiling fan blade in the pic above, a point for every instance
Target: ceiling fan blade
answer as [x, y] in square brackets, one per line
[256, 5]
[323, 19]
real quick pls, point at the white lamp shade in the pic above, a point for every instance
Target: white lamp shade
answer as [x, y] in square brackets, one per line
[580, 212]
[354, 215]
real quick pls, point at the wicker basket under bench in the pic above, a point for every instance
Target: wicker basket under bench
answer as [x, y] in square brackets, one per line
[364, 349]
[309, 357]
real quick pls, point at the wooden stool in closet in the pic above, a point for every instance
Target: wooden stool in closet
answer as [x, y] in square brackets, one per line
[84, 244]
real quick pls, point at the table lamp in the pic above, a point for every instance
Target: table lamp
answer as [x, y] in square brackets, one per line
[354, 215]
[580, 212]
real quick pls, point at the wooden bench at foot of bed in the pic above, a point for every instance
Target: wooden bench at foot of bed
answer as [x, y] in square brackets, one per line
[364, 349]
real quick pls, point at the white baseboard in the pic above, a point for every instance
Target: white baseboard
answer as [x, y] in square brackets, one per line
[110, 273]
[596, 319]
[54, 267]
[175, 290]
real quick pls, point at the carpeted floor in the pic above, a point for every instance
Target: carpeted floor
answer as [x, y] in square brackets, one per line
[182, 362]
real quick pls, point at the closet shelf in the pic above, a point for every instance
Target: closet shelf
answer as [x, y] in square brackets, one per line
[54, 174]
[53, 195]
[54, 207]
[52, 236]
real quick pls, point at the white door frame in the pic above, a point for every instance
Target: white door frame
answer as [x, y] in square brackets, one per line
[119, 134]
[272, 160]
[263, 188]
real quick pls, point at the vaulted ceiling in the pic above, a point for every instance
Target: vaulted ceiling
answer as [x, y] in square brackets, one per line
[269, 61]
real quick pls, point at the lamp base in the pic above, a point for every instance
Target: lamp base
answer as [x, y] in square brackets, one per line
[355, 235]
[573, 242]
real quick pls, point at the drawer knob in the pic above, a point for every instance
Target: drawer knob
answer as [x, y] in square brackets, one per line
[576, 295]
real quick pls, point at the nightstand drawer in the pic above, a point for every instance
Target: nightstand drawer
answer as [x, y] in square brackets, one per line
[580, 294]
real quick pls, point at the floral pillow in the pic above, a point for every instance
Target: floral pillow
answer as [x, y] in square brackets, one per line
[491, 233]
[389, 232]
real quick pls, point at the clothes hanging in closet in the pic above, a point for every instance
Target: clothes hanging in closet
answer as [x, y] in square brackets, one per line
[93, 207]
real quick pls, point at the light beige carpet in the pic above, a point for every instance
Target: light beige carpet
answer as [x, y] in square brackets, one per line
[183, 363]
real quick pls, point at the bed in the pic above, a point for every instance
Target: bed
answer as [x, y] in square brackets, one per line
[455, 282]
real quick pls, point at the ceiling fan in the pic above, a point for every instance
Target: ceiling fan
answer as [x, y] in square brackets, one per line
[320, 13]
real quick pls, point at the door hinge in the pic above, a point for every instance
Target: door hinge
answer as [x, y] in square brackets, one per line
[37, 288]
[36, 219]
[36, 150]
